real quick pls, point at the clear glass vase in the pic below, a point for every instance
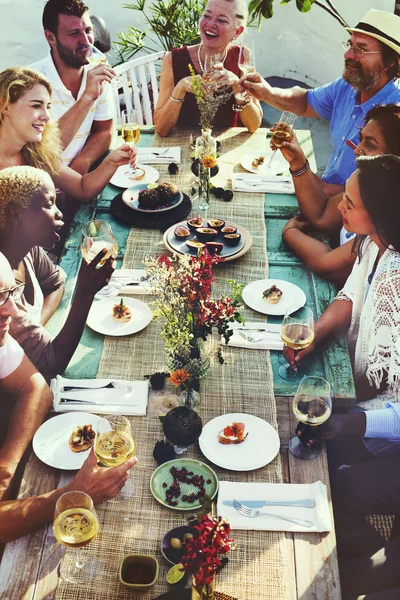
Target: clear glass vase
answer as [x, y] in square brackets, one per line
[203, 592]
[190, 398]
[203, 203]
[206, 145]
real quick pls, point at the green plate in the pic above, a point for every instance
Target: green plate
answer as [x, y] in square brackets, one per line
[163, 475]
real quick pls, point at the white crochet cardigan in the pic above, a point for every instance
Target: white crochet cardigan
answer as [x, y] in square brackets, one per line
[374, 334]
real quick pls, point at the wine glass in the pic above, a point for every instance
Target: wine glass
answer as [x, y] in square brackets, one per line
[130, 130]
[75, 525]
[114, 442]
[297, 332]
[312, 405]
[97, 235]
[281, 134]
[246, 64]
[210, 60]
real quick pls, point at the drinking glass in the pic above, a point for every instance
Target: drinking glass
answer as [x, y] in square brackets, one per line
[210, 60]
[246, 64]
[114, 442]
[130, 130]
[97, 235]
[297, 332]
[281, 134]
[312, 405]
[75, 525]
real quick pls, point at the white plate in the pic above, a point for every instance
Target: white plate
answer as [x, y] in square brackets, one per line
[292, 295]
[258, 449]
[100, 316]
[124, 178]
[130, 198]
[50, 442]
[279, 165]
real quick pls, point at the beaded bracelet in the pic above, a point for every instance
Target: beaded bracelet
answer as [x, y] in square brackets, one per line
[240, 107]
[177, 100]
[300, 171]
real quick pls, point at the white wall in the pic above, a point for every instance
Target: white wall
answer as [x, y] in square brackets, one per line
[291, 44]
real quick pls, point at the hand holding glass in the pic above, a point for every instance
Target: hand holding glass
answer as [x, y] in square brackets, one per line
[246, 64]
[297, 332]
[114, 442]
[312, 405]
[97, 235]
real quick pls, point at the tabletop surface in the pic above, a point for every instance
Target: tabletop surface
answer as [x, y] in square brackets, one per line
[313, 571]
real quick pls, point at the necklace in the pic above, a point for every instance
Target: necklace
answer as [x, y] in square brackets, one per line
[199, 58]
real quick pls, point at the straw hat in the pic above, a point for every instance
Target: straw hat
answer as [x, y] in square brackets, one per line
[382, 25]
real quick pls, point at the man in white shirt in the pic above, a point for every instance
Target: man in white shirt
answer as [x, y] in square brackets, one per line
[82, 100]
[31, 401]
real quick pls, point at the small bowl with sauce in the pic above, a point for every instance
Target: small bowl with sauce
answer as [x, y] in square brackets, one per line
[138, 571]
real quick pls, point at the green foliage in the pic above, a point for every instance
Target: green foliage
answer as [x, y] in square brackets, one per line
[168, 24]
[263, 9]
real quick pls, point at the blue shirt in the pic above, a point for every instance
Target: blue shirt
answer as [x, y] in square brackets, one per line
[338, 103]
[384, 423]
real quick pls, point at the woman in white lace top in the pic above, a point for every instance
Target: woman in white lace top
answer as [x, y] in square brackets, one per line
[367, 309]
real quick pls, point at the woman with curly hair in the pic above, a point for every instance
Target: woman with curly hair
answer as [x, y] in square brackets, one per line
[29, 222]
[29, 137]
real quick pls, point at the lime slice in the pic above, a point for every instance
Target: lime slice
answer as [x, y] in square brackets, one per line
[152, 186]
[161, 417]
[175, 574]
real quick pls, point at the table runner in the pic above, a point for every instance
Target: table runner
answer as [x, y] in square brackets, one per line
[134, 522]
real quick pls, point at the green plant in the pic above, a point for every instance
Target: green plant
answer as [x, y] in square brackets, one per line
[168, 24]
[259, 9]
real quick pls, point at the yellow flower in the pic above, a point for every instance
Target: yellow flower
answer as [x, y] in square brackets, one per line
[209, 161]
[178, 377]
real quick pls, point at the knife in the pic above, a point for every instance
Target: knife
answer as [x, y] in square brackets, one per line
[306, 503]
[263, 180]
[257, 330]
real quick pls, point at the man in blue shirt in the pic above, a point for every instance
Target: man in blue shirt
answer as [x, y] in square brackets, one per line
[370, 77]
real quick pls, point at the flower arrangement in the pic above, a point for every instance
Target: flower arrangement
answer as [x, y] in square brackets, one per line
[203, 552]
[208, 97]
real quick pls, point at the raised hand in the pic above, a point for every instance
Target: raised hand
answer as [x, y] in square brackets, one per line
[97, 78]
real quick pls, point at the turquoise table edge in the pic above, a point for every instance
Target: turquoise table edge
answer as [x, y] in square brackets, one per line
[331, 361]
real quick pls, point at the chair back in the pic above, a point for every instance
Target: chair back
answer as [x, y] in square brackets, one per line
[136, 86]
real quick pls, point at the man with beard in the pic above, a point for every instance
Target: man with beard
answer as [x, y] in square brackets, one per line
[370, 78]
[82, 100]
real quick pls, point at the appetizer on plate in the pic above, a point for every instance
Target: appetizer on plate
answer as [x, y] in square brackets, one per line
[82, 438]
[272, 294]
[233, 434]
[137, 175]
[121, 313]
[257, 162]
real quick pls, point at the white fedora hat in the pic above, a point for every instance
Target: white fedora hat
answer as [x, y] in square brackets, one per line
[382, 25]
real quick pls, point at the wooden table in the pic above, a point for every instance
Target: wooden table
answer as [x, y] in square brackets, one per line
[29, 566]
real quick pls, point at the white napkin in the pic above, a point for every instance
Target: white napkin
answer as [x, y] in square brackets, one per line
[155, 156]
[125, 275]
[320, 515]
[266, 340]
[276, 184]
[105, 401]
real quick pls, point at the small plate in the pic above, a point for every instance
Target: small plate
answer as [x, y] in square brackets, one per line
[130, 198]
[174, 555]
[100, 317]
[124, 177]
[162, 475]
[279, 165]
[50, 442]
[292, 295]
[258, 449]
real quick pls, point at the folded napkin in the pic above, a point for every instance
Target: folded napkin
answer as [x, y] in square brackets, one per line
[319, 514]
[118, 282]
[275, 184]
[159, 155]
[104, 401]
[247, 336]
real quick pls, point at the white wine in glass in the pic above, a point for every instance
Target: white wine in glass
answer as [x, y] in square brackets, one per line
[297, 332]
[97, 235]
[75, 525]
[312, 405]
[246, 64]
[130, 129]
[114, 442]
[281, 134]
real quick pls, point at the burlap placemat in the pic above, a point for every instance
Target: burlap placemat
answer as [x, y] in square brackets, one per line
[134, 522]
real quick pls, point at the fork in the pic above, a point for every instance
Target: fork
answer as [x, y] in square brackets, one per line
[251, 338]
[117, 385]
[255, 512]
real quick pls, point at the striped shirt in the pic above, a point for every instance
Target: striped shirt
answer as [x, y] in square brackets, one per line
[62, 100]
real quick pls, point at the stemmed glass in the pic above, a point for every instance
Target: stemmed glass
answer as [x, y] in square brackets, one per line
[130, 129]
[246, 64]
[75, 525]
[280, 134]
[210, 60]
[297, 332]
[312, 405]
[97, 235]
[114, 442]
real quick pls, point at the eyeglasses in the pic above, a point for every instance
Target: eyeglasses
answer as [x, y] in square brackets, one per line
[15, 293]
[357, 51]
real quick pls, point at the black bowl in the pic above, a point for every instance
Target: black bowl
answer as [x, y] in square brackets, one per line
[173, 555]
